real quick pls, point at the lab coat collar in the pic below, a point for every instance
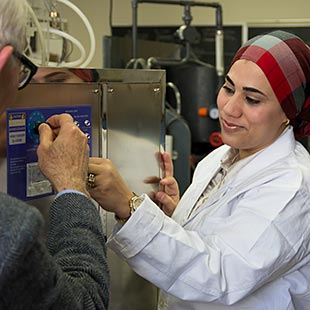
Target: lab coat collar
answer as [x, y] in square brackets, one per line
[243, 175]
[259, 161]
[267, 157]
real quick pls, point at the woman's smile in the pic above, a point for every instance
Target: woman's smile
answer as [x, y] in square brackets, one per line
[230, 127]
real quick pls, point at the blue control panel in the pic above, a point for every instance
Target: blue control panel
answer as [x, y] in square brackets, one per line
[24, 178]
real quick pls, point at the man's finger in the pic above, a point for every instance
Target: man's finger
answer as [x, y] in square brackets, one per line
[58, 120]
[46, 134]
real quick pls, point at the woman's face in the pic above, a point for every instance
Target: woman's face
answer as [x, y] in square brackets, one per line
[251, 117]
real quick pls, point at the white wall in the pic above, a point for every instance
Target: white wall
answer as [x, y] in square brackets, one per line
[234, 11]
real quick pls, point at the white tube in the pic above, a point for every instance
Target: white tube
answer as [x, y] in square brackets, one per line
[219, 52]
[67, 36]
[40, 34]
[177, 95]
[89, 28]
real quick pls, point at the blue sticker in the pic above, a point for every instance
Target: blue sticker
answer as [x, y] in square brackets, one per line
[24, 178]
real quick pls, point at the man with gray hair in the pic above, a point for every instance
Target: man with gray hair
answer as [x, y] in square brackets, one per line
[70, 270]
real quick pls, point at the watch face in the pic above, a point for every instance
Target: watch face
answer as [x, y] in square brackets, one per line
[135, 202]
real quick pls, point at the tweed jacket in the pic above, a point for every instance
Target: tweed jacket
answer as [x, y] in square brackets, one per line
[67, 272]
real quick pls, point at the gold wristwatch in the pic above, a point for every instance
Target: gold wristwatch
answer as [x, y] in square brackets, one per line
[133, 203]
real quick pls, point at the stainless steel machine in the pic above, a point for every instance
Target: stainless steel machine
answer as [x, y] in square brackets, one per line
[122, 113]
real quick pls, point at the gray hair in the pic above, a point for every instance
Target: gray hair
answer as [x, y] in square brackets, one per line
[13, 19]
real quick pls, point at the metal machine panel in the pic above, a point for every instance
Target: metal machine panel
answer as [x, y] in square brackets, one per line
[59, 96]
[134, 115]
[133, 122]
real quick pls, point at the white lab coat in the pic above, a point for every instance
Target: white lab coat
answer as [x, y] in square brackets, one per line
[247, 247]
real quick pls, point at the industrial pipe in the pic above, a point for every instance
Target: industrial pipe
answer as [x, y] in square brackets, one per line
[219, 36]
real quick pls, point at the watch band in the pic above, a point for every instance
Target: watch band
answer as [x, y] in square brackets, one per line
[133, 203]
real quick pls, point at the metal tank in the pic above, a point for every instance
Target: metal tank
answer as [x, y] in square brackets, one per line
[198, 86]
[197, 81]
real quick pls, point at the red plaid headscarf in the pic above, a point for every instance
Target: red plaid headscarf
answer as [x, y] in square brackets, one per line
[285, 60]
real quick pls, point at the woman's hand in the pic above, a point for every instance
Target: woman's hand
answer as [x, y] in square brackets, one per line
[110, 190]
[168, 195]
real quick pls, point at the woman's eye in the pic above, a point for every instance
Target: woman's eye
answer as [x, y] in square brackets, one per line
[227, 89]
[252, 100]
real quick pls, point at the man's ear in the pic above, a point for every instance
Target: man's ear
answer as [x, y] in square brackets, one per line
[5, 54]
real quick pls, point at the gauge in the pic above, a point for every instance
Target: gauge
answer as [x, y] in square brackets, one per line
[35, 118]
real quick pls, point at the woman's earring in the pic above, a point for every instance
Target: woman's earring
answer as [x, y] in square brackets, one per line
[287, 122]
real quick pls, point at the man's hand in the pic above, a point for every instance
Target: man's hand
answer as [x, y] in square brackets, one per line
[63, 153]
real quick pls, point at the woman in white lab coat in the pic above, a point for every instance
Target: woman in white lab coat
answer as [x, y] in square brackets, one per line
[239, 238]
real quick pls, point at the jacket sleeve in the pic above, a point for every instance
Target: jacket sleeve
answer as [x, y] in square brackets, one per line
[70, 273]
